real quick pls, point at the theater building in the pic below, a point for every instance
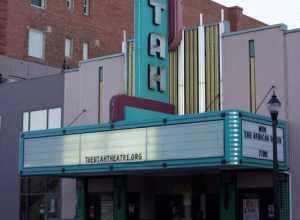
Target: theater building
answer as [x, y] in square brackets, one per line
[167, 150]
[165, 129]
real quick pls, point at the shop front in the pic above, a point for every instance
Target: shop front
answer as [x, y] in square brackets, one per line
[204, 166]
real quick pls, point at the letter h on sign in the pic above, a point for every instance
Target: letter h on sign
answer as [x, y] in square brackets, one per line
[156, 76]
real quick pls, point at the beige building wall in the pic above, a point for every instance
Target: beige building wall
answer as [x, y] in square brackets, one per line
[81, 107]
[269, 68]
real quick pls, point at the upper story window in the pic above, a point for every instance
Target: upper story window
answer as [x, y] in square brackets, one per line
[85, 51]
[36, 43]
[68, 47]
[42, 119]
[86, 7]
[70, 4]
[38, 3]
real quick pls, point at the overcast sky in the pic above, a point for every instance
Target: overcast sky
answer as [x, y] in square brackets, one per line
[270, 11]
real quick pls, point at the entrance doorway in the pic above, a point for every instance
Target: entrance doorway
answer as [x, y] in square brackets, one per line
[169, 207]
[99, 206]
[133, 206]
[256, 204]
[206, 207]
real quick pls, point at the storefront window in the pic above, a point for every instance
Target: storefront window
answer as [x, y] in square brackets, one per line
[39, 198]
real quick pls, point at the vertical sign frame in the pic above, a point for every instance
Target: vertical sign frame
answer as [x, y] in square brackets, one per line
[151, 19]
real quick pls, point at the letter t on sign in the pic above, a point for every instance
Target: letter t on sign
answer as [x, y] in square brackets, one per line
[158, 8]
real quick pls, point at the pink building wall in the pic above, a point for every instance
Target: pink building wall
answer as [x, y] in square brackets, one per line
[277, 55]
[82, 89]
[270, 68]
[293, 80]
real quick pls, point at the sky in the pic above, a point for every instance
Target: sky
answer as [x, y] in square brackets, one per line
[270, 11]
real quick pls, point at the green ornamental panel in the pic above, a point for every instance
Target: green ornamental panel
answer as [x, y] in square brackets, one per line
[228, 190]
[81, 198]
[284, 198]
[120, 198]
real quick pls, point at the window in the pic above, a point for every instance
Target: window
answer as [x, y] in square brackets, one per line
[251, 48]
[86, 7]
[38, 3]
[68, 47]
[54, 118]
[85, 51]
[38, 120]
[36, 44]
[70, 4]
[26, 121]
[39, 198]
[100, 93]
[252, 70]
[42, 119]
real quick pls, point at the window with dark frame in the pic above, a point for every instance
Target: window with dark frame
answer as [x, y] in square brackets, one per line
[38, 3]
[42, 119]
[252, 75]
[70, 5]
[86, 7]
[39, 198]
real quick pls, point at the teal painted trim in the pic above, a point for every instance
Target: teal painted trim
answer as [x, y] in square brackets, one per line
[228, 197]
[143, 27]
[234, 131]
[257, 163]
[286, 149]
[282, 27]
[132, 113]
[81, 191]
[124, 167]
[232, 144]
[21, 153]
[233, 138]
[120, 191]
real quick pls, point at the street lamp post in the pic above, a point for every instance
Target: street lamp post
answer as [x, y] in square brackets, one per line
[274, 106]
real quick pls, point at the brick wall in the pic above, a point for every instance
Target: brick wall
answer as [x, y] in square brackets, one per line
[104, 24]
[107, 20]
[212, 13]
[3, 6]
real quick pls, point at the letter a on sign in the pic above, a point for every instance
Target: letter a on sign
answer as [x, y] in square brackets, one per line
[157, 45]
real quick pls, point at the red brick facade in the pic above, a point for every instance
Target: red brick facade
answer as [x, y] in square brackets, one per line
[212, 13]
[104, 25]
[3, 22]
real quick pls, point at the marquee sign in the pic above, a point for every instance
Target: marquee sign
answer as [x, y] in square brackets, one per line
[151, 49]
[229, 138]
[173, 142]
[257, 141]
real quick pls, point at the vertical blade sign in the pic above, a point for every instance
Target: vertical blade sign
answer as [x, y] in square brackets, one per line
[151, 50]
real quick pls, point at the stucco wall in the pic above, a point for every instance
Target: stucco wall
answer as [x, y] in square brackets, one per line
[16, 98]
[270, 68]
[81, 92]
[18, 69]
[82, 89]
[293, 67]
